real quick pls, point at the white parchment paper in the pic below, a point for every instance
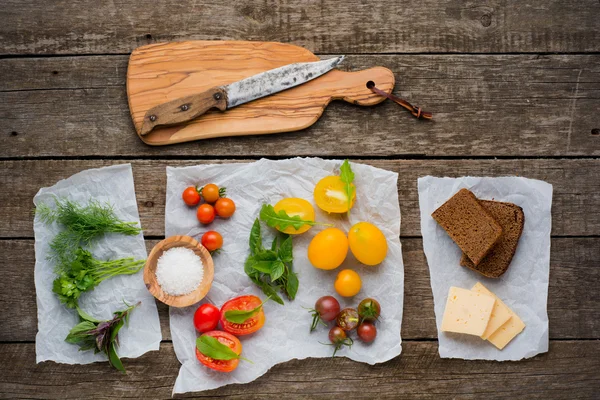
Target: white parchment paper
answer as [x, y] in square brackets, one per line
[285, 335]
[523, 287]
[115, 186]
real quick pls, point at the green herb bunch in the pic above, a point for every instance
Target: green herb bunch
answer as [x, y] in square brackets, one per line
[85, 273]
[83, 223]
[271, 269]
[101, 336]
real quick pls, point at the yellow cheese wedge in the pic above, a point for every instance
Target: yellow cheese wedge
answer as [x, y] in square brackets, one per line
[507, 332]
[467, 311]
[500, 313]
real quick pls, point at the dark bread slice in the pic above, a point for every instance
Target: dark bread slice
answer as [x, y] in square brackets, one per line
[472, 228]
[512, 219]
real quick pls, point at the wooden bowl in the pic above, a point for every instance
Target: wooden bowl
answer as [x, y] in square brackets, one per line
[152, 261]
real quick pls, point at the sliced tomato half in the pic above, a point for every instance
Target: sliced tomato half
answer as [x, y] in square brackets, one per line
[252, 324]
[221, 365]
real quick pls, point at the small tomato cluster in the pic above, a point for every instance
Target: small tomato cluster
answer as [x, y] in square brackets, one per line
[216, 204]
[327, 309]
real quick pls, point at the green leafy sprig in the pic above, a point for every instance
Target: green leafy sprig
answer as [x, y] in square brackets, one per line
[83, 223]
[211, 347]
[100, 336]
[85, 273]
[347, 176]
[281, 220]
[271, 269]
[241, 316]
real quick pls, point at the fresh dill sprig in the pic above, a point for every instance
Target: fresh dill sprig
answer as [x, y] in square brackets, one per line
[83, 223]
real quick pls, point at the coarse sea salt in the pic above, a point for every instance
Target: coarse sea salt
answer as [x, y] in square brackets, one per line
[179, 271]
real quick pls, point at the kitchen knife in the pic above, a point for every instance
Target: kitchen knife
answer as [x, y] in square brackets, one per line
[224, 97]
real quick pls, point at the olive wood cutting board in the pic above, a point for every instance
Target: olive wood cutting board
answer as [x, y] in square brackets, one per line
[158, 73]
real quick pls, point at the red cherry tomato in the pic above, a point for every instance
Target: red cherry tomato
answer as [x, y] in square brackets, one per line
[205, 214]
[190, 196]
[249, 326]
[222, 365]
[366, 332]
[211, 193]
[212, 240]
[206, 318]
[225, 207]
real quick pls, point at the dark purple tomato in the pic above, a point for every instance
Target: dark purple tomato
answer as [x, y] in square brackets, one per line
[326, 309]
[366, 332]
[347, 319]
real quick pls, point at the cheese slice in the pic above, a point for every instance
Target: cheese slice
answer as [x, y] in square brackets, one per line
[467, 311]
[500, 313]
[507, 332]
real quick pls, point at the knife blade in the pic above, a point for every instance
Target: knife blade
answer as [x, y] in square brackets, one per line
[225, 97]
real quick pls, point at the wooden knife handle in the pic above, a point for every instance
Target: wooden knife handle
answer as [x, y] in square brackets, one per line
[184, 109]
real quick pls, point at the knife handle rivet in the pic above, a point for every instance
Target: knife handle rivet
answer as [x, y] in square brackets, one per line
[184, 107]
[152, 118]
[217, 96]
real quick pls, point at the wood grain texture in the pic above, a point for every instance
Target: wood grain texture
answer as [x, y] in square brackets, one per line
[162, 73]
[568, 371]
[355, 26]
[575, 204]
[573, 307]
[484, 105]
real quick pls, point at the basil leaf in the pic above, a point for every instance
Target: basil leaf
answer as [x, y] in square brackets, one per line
[263, 266]
[347, 176]
[85, 316]
[249, 269]
[255, 238]
[277, 270]
[270, 291]
[114, 359]
[281, 219]
[80, 331]
[211, 347]
[274, 244]
[266, 255]
[285, 252]
[291, 286]
[241, 316]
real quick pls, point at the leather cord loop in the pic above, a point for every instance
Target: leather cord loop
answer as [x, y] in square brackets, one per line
[415, 111]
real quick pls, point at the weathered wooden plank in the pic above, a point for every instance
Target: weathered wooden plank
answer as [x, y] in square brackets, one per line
[483, 106]
[357, 26]
[575, 209]
[569, 370]
[573, 307]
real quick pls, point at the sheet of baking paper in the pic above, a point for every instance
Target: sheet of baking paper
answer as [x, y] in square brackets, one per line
[523, 287]
[285, 335]
[112, 185]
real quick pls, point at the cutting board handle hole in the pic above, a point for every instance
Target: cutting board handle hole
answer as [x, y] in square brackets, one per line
[370, 84]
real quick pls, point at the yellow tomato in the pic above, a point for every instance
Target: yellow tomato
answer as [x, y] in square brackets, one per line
[347, 283]
[328, 249]
[295, 206]
[367, 243]
[330, 195]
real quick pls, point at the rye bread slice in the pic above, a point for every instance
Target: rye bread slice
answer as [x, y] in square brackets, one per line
[512, 219]
[472, 228]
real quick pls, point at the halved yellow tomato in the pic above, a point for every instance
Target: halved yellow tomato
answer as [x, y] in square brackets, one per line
[294, 206]
[330, 195]
[367, 243]
[328, 249]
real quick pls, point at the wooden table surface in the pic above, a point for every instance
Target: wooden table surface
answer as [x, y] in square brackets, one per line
[515, 90]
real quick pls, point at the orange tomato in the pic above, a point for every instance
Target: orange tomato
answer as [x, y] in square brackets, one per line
[295, 206]
[225, 207]
[190, 196]
[347, 283]
[328, 249]
[367, 243]
[210, 193]
[330, 195]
